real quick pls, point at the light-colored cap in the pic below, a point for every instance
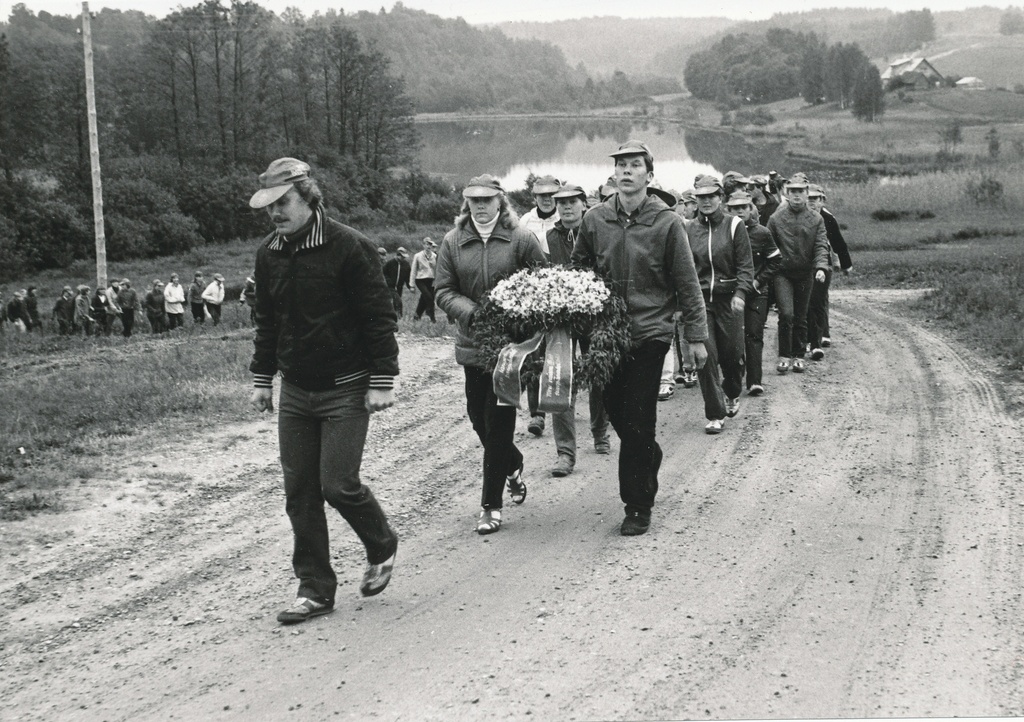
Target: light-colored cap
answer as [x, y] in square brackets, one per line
[277, 180]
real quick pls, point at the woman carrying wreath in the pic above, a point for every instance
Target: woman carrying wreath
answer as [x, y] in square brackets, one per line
[485, 246]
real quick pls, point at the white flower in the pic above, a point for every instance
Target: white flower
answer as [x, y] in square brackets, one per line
[551, 291]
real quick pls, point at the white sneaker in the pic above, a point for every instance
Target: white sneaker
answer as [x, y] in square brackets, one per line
[826, 342]
[732, 407]
[755, 390]
[817, 354]
[714, 426]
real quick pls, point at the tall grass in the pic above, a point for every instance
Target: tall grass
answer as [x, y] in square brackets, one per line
[945, 193]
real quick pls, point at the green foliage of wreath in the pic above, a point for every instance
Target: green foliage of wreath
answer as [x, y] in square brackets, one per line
[607, 332]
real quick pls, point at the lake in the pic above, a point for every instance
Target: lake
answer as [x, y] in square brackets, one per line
[576, 150]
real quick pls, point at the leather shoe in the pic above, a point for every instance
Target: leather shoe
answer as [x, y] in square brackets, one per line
[635, 524]
[562, 467]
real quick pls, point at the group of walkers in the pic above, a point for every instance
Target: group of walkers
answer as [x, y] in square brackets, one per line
[86, 312]
[695, 270]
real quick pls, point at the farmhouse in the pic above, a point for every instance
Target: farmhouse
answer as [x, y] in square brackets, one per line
[971, 83]
[912, 74]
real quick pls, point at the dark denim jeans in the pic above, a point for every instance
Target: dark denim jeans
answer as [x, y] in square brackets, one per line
[496, 427]
[793, 296]
[725, 352]
[755, 316]
[817, 311]
[631, 399]
[426, 303]
[322, 435]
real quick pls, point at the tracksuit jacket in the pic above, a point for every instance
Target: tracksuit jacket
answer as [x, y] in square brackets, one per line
[721, 253]
[324, 315]
[646, 256]
[800, 237]
[765, 255]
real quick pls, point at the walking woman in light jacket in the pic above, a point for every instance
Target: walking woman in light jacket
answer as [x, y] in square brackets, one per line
[485, 246]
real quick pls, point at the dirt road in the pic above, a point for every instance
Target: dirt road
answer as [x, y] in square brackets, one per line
[851, 546]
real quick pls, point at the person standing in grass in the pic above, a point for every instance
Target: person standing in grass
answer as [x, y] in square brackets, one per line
[174, 303]
[839, 257]
[32, 309]
[324, 320]
[721, 254]
[156, 303]
[248, 297]
[799, 234]
[83, 316]
[214, 298]
[486, 245]
[766, 259]
[424, 268]
[128, 300]
[64, 312]
[638, 243]
[195, 298]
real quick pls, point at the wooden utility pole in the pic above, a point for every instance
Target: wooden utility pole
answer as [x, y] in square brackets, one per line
[94, 153]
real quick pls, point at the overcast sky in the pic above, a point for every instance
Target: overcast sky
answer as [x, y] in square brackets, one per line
[541, 10]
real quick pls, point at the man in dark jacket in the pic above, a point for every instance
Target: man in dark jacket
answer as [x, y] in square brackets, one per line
[325, 321]
[128, 300]
[639, 244]
[817, 313]
[64, 312]
[396, 272]
[766, 259]
[799, 234]
[32, 309]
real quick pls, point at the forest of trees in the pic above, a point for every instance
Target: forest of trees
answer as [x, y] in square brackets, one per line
[193, 105]
[785, 64]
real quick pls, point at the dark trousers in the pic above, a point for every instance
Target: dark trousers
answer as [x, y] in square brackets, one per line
[127, 321]
[396, 298]
[817, 311]
[198, 312]
[426, 302]
[631, 399]
[174, 320]
[322, 435]
[533, 397]
[157, 322]
[793, 296]
[108, 323]
[725, 352]
[755, 316]
[496, 427]
[214, 309]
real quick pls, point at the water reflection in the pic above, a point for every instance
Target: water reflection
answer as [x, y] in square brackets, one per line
[577, 150]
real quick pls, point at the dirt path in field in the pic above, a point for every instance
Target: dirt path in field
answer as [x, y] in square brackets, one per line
[851, 546]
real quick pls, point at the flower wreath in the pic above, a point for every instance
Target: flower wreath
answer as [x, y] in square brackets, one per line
[538, 300]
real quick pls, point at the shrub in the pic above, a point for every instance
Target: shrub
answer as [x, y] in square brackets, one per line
[434, 208]
[174, 232]
[984, 190]
[884, 214]
[126, 237]
[757, 116]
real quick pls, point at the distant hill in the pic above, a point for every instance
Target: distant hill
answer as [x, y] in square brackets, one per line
[597, 42]
[996, 59]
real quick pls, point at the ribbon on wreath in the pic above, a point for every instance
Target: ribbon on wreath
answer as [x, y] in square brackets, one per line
[555, 378]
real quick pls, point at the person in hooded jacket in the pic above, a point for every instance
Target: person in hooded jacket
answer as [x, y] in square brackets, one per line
[721, 254]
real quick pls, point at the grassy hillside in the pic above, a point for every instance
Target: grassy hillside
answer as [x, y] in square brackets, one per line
[996, 59]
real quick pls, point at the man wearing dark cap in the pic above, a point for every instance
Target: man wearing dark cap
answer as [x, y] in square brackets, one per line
[638, 243]
[764, 200]
[571, 201]
[326, 322]
[800, 236]
[396, 273]
[766, 259]
[64, 312]
[839, 258]
[128, 300]
[539, 220]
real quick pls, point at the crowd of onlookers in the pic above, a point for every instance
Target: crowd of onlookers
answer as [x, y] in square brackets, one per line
[88, 313]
